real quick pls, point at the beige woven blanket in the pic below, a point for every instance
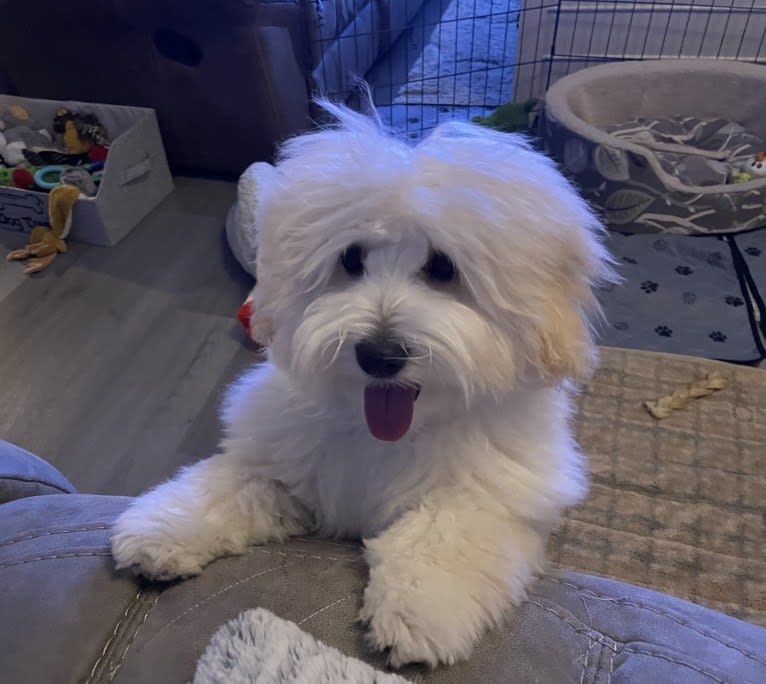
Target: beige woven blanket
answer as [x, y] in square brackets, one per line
[678, 504]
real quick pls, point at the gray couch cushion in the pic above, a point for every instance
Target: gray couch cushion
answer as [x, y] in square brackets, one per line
[71, 618]
[60, 601]
[23, 474]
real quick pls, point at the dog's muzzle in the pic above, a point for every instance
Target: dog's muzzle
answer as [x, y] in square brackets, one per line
[388, 406]
[381, 356]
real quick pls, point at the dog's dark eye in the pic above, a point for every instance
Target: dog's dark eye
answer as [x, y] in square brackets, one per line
[440, 268]
[353, 260]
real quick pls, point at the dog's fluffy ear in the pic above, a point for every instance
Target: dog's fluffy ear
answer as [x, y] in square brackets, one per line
[565, 328]
[567, 348]
[548, 255]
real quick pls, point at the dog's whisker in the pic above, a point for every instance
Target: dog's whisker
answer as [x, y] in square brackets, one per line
[341, 340]
[325, 347]
[417, 357]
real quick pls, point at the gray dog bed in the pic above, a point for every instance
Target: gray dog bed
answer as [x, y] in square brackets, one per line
[659, 146]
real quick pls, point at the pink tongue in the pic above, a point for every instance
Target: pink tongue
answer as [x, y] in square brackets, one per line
[388, 410]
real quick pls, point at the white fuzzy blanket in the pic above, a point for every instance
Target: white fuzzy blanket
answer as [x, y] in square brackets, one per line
[257, 647]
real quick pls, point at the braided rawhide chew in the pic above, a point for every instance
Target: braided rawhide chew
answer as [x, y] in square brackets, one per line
[683, 396]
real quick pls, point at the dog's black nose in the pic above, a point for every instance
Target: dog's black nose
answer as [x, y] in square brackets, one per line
[381, 357]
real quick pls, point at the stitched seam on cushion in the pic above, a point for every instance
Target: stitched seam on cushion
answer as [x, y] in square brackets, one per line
[599, 665]
[343, 545]
[284, 554]
[590, 633]
[302, 556]
[327, 607]
[628, 648]
[55, 557]
[53, 533]
[652, 609]
[117, 667]
[197, 605]
[16, 478]
[122, 619]
[585, 662]
[639, 651]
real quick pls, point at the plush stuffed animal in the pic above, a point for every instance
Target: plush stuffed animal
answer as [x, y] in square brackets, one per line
[14, 116]
[253, 190]
[14, 141]
[18, 132]
[242, 223]
[79, 138]
[45, 242]
[80, 131]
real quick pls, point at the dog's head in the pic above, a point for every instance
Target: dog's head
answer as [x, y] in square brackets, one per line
[460, 267]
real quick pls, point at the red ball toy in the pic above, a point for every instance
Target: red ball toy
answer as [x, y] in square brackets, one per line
[22, 178]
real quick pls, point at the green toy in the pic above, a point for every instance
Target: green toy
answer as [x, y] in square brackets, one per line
[511, 117]
[18, 177]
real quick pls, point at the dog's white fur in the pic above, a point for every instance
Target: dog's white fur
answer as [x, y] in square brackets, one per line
[455, 515]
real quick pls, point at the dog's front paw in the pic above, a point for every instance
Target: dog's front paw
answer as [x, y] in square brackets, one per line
[149, 548]
[416, 626]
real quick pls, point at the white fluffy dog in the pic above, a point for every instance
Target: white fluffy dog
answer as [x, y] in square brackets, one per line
[425, 309]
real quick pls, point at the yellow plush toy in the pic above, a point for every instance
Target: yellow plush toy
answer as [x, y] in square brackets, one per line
[73, 143]
[46, 242]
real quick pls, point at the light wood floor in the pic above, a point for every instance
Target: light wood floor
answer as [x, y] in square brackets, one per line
[112, 362]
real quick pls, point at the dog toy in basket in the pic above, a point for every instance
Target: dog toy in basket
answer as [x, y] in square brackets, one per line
[46, 242]
[32, 157]
[80, 131]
